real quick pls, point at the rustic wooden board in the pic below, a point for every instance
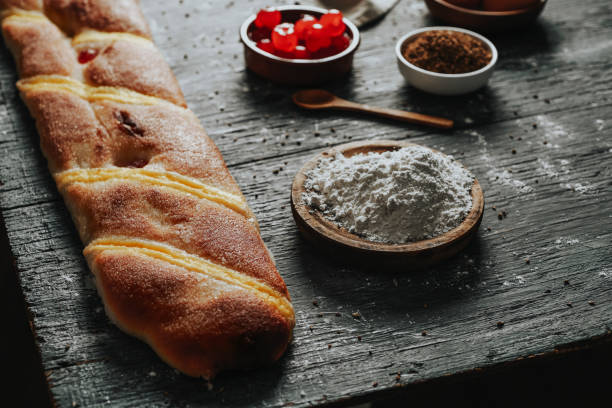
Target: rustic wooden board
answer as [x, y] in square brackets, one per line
[550, 100]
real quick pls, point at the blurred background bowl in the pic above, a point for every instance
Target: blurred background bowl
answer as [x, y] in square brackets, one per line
[484, 21]
[294, 71]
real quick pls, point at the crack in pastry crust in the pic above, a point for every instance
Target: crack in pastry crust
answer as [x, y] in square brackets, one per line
[193, 263]
[166, 179]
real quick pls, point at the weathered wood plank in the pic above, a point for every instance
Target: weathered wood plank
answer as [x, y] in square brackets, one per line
[555, 189]
[459, 295]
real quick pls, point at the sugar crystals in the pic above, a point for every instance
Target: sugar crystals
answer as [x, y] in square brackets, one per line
[399, 196]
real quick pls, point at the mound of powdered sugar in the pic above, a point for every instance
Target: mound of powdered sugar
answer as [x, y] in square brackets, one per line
[397, 196]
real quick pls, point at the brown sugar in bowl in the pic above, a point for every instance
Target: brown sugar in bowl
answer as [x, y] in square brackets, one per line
[439, 83]
[298, 71]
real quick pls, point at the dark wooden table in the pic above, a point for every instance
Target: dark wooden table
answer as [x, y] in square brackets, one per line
[538, 138]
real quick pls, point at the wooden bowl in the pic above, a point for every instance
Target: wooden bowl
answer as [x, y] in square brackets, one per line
[484, 21]
[297, 71]
[329, 236]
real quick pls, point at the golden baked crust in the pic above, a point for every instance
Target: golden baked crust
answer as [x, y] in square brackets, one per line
[173, 245]
[39, 47]
[119, 63]
[189, 319]
[204, 228]
[74, 16]
[77, 133]
[21, 4]
[70, 135]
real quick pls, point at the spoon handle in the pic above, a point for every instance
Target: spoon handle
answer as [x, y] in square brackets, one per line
[411, 117]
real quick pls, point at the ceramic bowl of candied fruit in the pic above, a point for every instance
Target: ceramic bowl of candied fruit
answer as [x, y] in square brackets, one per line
[299, 45]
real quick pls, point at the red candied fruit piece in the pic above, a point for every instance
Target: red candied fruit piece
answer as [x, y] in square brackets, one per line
[301, 52]
[317, 38]
[268, 17]
[303, 25]
[341, 43]
[332, 22]
[324, 53]
[284, 37]
[259, 33]
[266, 45]
[87, 55]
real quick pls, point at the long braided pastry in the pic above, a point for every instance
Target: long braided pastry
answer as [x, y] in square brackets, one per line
[174, 248]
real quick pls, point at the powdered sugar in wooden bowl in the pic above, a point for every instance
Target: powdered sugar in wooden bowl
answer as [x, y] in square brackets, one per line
[414, 205]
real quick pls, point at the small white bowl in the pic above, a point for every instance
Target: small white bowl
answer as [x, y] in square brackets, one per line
[444, 84]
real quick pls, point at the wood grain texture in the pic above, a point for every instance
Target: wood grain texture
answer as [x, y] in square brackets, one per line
[551, 92]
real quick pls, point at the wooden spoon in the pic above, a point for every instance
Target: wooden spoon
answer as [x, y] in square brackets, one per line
[329, 236]
[321, 99]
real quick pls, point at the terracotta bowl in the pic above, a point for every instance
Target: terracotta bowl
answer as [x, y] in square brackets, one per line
[297, 71]
[484, 21]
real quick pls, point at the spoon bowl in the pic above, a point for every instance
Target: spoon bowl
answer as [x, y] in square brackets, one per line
[314, 98]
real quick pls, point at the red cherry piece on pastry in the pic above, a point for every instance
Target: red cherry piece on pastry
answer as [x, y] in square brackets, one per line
[268, 17]
[266, 45]
[87, 55]
[303, 25]
[301, 52]
[341, 42]
[332, 22]
[259, 33]
[284, 37]
[317, 38]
